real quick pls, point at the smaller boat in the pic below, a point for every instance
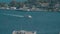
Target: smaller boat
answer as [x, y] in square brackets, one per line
[29, 16]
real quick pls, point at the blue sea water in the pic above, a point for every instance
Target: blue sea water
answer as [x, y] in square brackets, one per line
[7, 1]
[42, 22]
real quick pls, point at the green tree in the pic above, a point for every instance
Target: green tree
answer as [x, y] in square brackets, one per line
[13, 4]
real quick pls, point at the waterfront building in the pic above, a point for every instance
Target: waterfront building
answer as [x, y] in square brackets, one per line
[12, 7]
[2, 7]
[57, 5]
[33, 8]
[44, 4]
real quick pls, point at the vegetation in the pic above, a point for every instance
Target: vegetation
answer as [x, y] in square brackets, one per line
[30, 4]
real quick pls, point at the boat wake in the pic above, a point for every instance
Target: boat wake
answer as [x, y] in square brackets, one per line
[12, 15]
[29, 16]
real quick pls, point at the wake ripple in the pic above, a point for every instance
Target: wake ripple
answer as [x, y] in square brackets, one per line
[12, 15]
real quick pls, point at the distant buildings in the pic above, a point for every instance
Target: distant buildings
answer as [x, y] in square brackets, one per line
[31, 5]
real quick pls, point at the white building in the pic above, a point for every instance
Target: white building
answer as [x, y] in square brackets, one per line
[44, 4]
[12, 7]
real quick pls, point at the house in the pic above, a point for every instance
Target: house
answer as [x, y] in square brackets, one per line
[12, 7]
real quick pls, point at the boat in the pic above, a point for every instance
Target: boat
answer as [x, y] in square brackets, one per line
[24, 32]
[29, 16]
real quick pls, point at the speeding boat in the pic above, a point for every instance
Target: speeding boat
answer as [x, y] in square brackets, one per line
[30, 16]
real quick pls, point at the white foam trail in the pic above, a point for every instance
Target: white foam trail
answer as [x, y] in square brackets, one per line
[13, 15]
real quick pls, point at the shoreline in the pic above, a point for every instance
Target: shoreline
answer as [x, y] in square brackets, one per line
[30, 10]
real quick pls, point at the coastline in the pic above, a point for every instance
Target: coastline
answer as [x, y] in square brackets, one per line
[28, 10]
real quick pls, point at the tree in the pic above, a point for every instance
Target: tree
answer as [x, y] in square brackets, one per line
[13, 4]
[3, 5]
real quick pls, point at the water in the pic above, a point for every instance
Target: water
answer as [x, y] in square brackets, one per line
[7, 1]
[42, 22]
